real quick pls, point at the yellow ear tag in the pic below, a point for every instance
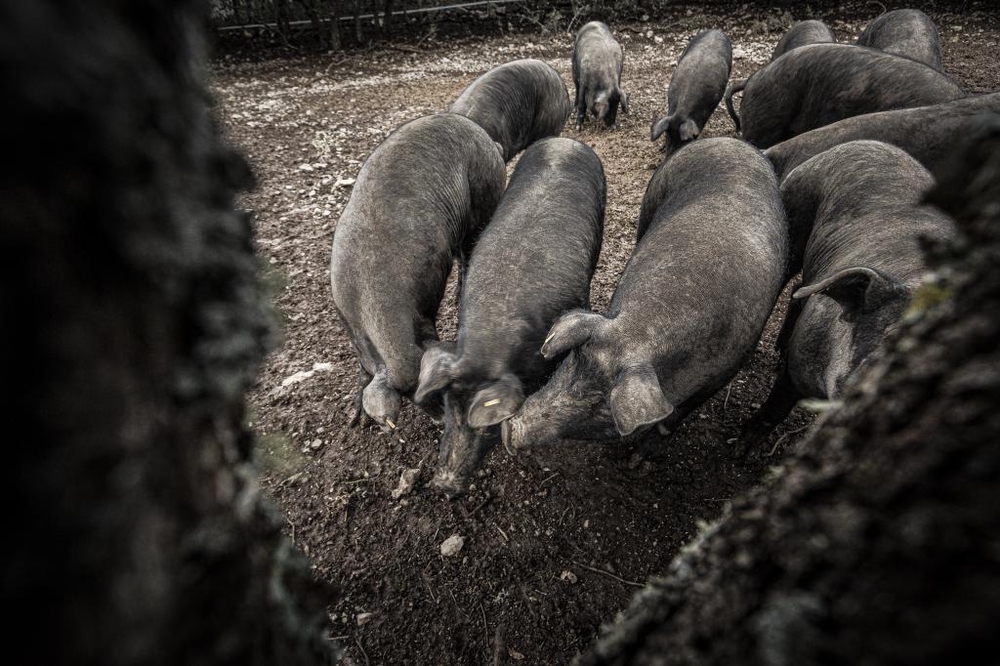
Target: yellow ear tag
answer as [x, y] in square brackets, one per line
[490, 403]
[391, 424]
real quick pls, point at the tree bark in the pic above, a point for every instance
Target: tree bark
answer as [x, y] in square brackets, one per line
[878, 542]
[133, 324]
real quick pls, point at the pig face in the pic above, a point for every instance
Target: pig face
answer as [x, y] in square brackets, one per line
[593, 394]
[463, 447]
[474, 404]
[606, 106]
[845, 321]
[571, 405]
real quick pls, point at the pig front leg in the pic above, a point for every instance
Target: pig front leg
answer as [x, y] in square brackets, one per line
[364, 377]
[776, 408]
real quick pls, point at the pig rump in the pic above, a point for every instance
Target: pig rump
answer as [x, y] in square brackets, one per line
[517, 104]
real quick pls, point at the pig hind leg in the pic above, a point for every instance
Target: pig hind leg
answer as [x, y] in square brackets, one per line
[581, 106]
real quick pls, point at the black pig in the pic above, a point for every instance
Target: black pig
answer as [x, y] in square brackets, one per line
[909, 33]
[420, 199]
[691, 304]
[516, 103]
[803, 33]
[696, 87]
[927, 133]
[597, 72]
[859, 205]
[532, 263]
[819, 84]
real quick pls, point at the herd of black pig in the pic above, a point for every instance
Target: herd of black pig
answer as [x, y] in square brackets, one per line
[826, 180]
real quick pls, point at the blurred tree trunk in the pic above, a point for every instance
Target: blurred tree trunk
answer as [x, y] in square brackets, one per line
[387, 16]
[878, 542]
[359, 36]
[133, 323]
[281, 20]
[313, 13]
[333, 14]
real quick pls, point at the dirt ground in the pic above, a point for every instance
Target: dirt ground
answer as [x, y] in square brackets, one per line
[556, 544]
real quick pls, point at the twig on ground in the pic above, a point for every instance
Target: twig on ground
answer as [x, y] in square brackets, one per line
[481, 505]
[424, 577]
[502, 533]
[360, 647]
[787, 434]
[486, 628]
[608, 574]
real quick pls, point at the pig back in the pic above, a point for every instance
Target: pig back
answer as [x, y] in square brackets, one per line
[819, 84]
[860, 204]
[516, 103]
[535, 259]
[421, 195]
[927, 133]
[704, 276]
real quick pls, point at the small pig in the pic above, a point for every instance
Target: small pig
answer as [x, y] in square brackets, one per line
[927, 133]
[909, 33]
[597, 72]
[420, 199]
[532, 263]
[516, 103]
[696, 88]
[859, 205]
[691, 304]
[819, 84]
[803, 33]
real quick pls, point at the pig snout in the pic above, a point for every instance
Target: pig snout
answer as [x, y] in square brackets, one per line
[450, 483]
[512, 436]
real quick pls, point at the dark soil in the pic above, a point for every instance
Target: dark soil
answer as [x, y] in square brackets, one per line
[554, 545]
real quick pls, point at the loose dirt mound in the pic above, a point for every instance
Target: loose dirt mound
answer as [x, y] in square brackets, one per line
[552, 546]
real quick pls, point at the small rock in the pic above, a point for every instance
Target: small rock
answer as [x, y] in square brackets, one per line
[363, 618]
[406, 482]
[451, 545]
[517, 656]
[316, 443]
[569, 576]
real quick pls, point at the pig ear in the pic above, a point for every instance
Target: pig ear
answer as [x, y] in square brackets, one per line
[637, 400]
[658, 128]
[623, 100]
[857, 289]
[437, 370]
[570, 331]
[497, 402]
[688, 130]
